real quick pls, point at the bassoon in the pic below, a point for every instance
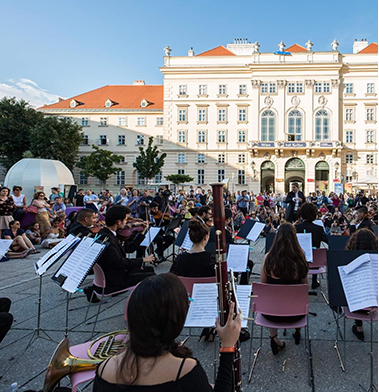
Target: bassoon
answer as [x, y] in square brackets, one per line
[225, 293]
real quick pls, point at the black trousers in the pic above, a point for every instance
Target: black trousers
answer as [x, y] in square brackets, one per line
[6, 319]
[162, 241]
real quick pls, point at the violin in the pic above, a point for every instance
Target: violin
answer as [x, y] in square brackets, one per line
[162, 215]
[134, 225]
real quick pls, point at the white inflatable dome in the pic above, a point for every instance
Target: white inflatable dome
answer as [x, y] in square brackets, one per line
[31, 172]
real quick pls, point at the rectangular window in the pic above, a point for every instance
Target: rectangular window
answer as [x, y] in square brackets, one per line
[221, 175]
[349, 114]
[326, 87]
[85, 121]
[241, 177]
[141, 121]
[159, 121]
[242, 115]
[182, 89]
[182, 115]
[85, 141]
[299, 87]
[181, 171]
[181, 158]
[83, 180]
[370, 115]
[103, 121]
[349, 88]
[370, 136]
[221, 115]
[318, 87]
[349, 158]
[241, 158]
[201, 176]
[120, 177]
[123, 160]
[291, 88]
[370, 158]
[370, 88]
[272, 88]
[140, 180]
[349, 137]
[159, 139]
[221, 158]
[140, 140]
[182, 137]
[241, 136]
[222, 89]
[121, 140]
[103, 140]
[242, 89]
[264, 88]
[122, 121]
[201, 115]
[200, 158]
[201, 137]
[221, 136]
[202, 89]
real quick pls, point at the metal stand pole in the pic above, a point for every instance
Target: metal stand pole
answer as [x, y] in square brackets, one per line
[67, 310]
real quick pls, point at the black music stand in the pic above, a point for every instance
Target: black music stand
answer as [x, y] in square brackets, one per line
[246, 228]
[171, 227]
[182, 234]
[269, 241]
[337, 242]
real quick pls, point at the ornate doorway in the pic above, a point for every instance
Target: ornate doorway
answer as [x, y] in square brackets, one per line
[294, 171]
[268, 177]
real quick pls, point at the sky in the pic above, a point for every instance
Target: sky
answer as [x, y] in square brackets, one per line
[51, 49]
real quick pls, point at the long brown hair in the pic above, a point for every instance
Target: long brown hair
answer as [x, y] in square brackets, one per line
[286, 259]
[363, 239]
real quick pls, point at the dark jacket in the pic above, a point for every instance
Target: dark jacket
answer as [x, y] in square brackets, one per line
[77, 228]
[193, 265]
[318, 233]
[365, 224]
[229, 238]
[291, 204]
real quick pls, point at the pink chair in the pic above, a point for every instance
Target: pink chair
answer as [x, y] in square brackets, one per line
[283, 301]
[319, 262]
[80, 351]
[189, 282]
[99, 281]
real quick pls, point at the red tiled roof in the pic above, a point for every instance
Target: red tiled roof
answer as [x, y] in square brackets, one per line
[123, 97]
[296, 48]
[218, 51]
[372, 48]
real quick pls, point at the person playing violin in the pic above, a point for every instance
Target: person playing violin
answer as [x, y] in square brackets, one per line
[85, 221]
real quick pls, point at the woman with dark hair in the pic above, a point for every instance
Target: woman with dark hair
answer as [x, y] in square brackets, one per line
[21, 245]
[42, 216]
[153, 360]
[197, 262]
[7, 207]
[284, 264]
[362, 239]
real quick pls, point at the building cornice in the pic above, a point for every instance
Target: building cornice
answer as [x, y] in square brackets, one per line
[73, 111]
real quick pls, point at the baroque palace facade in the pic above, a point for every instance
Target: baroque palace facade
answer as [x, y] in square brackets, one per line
[260, 120]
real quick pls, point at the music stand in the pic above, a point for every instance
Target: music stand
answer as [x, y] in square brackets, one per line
[269, 241]
[337, 242]
[171, 227]
[246, 228]
[182, 234]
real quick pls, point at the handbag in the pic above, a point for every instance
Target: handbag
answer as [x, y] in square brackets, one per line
[31, 209]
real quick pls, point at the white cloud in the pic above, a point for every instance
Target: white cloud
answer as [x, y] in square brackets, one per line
[28, 90]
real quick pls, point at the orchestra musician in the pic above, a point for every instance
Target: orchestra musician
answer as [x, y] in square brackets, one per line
[361, 220]
[85, 220]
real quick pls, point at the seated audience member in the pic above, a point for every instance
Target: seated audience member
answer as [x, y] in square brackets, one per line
[21, 242]
[34, 234]
[362, 239]
[196, 262]
[154, 361]
[54, 235]
[284, 264]
[70, 220]
[85, 220]
[361, 220]
[336, 228]
[19, 202]
[6, 318]
[58, 205]
[68, 203]
[119, 271]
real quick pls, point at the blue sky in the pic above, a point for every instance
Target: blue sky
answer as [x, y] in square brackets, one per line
[64, 48]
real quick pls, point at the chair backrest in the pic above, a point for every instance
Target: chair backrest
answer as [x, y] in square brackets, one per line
[189, 282]
[99, 278]
[319, 258]
[280, 299]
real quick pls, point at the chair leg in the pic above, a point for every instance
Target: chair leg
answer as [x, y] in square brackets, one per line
[344, 340]
[97, 314]
[251, 342]
[215, 361]
[255, 358]
[89, 304]
[336, 345]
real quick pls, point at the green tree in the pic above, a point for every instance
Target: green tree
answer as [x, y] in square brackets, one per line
[17, 119]
[149, 163]
[56, 138]
[99, 164]
[178, 179]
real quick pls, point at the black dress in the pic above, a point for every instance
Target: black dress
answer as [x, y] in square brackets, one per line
[194, 265]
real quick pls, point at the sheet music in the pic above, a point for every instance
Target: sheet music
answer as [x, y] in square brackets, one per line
[150, 235]
[4, 247]
[63, 249]
[187, 243]
[237, 257]
[305, 242]
[55, 250]
[255, 231]
[204, 308]
[360, 282]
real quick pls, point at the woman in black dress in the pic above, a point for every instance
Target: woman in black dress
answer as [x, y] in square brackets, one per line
[284, 264]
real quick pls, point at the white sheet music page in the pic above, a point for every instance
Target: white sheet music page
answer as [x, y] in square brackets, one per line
[255, 231]
[360, 282]
[4, 246]
[237, 257]
[243, 295]
[187, 243]
[305, 242]
[150, 235]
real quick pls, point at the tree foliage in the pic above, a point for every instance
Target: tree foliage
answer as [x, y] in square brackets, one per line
[56, 138]
[178, 179]
[99, 164]
[149, 162]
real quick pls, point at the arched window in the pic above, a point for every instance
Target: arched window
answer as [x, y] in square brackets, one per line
[268, 126]
[294, 131]
[322, 125]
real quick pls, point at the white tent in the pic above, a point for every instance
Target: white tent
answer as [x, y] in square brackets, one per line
[32, 173]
